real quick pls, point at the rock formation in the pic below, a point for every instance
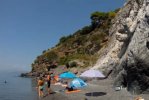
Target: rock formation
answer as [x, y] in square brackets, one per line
[127, 53]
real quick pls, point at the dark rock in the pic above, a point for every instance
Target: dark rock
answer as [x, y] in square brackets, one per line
[23, 75]
[147, 45]
[135, 74]
[121, 31]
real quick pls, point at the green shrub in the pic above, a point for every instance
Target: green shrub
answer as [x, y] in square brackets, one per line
[111, 14]
[43, 51]
[80, 50]
[97, 18]
[51, 56]
[117, 10]
[98, 15]
[64, 39]
[64, 60]
[73, 64]
[86, 30]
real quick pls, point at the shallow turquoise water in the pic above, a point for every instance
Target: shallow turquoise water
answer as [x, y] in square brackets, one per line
[16, 88]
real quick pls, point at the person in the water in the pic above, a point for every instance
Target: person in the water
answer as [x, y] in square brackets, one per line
[5, 81]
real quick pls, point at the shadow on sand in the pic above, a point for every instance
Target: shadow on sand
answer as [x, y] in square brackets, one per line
[95, 94]
[49, 94]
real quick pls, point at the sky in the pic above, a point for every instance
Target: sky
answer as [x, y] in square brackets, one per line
[28, 27]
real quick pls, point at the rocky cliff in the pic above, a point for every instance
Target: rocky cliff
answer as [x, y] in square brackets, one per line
[127, 53]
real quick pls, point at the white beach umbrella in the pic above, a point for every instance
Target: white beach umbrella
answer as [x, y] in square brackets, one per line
[92, 74]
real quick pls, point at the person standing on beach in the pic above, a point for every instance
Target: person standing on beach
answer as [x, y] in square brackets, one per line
[48, 79]
[40, 87]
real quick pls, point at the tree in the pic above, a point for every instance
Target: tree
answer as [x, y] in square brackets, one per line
[86, 30]
[97, 18]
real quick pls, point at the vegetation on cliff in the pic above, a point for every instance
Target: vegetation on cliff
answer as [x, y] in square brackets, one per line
[80, 48]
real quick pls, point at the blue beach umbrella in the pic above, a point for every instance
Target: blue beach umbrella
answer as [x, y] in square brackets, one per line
[77, 83]
[67, 75]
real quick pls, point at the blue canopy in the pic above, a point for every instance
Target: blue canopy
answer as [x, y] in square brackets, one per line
[67, 75]
[78, 83]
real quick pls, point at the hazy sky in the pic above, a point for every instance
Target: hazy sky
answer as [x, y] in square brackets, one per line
[27, 27]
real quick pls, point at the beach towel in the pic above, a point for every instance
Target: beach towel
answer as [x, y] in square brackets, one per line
[63, 85]
[74, 91]
[58, 83]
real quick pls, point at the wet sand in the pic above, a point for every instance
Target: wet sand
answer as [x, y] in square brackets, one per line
[96, 90]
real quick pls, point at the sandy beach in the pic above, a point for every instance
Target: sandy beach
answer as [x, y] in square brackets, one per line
[96, 90]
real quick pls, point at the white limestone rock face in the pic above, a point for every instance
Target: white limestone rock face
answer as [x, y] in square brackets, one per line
[127, 54]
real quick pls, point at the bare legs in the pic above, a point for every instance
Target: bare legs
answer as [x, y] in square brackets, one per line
[40, 92]
[49, 90]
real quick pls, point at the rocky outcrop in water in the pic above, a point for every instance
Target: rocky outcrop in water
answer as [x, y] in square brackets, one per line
[128, 51]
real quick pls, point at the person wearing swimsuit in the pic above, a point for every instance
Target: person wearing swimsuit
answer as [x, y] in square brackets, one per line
[48, 83]
[40, 87]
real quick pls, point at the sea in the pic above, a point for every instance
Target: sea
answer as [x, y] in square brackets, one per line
[17, 88]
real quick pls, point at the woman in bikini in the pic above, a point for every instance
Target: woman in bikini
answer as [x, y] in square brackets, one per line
[40, 87]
